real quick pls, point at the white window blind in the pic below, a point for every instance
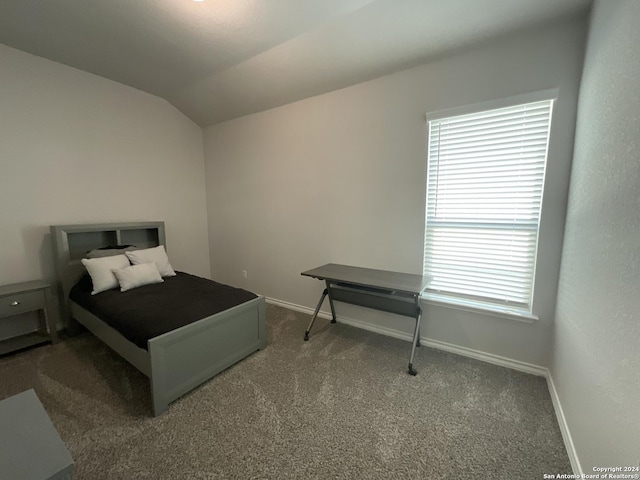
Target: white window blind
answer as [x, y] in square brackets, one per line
[484, 193]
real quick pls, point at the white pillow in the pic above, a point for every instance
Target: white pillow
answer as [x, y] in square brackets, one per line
[137, 275]
[156, 254]
[100, 271]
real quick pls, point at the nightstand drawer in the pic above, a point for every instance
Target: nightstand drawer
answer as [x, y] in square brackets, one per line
[22, 302]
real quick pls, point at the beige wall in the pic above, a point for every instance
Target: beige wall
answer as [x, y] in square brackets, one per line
[341, 178]
[77, 148]
[596, 365]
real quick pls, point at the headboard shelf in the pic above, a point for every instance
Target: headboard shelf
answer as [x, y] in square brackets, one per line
[141, 238]
[81, 242]
[72, 242]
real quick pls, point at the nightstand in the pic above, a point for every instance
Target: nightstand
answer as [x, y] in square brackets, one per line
[25, 297]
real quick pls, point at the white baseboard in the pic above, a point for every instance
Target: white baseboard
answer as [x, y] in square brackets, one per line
[525, 367]
[342, 319]
[296, 307]
[465, 352]
[564, 427]
[448, 347]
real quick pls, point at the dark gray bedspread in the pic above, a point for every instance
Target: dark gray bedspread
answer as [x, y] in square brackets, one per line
[149, 311]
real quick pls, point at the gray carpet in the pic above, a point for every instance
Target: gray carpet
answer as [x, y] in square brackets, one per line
[338, 406]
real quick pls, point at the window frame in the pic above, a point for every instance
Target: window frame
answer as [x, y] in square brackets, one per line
[468, 303]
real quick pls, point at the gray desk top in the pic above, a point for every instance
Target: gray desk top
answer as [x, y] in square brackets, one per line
[30, 446]
[367, 277]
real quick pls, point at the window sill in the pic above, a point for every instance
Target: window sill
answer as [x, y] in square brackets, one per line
[517, 314]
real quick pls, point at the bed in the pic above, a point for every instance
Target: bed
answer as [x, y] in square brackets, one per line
[176, 361]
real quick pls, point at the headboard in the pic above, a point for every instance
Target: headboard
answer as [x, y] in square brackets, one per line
[72, 242]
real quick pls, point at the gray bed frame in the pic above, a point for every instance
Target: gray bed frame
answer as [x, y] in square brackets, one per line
[177, 361]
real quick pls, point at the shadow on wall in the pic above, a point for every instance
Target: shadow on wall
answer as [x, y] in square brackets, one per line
[37, 238]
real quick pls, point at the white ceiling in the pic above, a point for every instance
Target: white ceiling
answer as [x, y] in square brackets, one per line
[220, 59]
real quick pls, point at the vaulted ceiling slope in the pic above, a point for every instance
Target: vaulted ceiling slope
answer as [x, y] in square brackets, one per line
[220, 59]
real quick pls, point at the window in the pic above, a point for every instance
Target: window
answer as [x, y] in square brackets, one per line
[485, 180]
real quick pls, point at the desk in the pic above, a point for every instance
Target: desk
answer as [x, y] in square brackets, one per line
[392, 292]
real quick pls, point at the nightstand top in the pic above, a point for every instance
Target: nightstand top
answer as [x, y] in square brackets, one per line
[13, 288]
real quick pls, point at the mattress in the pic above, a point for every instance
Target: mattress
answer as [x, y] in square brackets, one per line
[152, 310]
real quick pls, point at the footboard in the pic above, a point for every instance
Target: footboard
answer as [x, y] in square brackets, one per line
[185, 358]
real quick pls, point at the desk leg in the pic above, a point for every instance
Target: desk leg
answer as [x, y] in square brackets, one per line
[416, 335]
[315, 314]
[333, 310]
